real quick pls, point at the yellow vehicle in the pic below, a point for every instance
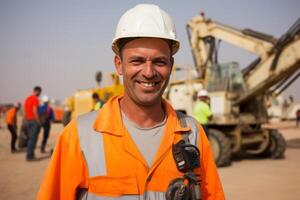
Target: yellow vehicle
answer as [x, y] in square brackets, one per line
[238, 98]
[81, 102]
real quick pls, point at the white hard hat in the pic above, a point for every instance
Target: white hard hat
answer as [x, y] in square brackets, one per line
[45, 99]
[17, 105]
[202, 93]
[145, 20]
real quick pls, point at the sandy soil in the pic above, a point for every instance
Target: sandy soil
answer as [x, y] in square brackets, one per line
[245, 179]
[264, 179]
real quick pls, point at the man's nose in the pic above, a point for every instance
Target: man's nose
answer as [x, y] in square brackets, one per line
[149, 70]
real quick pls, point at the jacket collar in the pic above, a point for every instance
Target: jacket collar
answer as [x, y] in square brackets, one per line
[109, 118]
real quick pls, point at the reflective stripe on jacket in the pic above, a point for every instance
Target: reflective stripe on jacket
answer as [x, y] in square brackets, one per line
[113, 167]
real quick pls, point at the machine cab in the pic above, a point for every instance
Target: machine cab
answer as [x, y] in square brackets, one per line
[225, 78]
[224, 82]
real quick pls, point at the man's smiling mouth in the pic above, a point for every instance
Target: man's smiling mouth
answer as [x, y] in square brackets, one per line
[148, 84]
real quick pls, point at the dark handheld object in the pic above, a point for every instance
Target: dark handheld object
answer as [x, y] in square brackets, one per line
[186, 157]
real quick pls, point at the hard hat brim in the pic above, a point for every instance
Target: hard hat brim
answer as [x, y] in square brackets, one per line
[117, 46]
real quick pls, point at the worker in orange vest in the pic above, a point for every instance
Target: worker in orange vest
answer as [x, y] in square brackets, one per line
[11, 121]
[136, 146]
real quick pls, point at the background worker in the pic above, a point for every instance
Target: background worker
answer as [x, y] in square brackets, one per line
[47, 116]
[202, 111]
[33, 121]
[297, 117]
[124, 151]
[98, 103]
[11, 121]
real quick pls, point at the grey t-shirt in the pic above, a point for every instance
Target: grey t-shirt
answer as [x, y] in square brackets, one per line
[147, 140]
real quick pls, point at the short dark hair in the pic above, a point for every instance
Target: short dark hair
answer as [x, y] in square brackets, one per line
[37, 89]
[122, 42]
[95, 96]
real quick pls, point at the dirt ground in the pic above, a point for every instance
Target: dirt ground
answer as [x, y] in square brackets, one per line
[245, 179]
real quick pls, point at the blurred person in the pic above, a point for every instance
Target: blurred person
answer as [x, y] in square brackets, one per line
[98, 103]
[297, 117]
[23, 136]
[47, 117]
[201, 110]
[33, 121]
[285, 109]
[1, 113]
[11, 121]
[125, 150]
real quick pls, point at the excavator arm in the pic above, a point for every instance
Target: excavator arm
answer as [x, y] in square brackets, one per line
[203, 34]
[278, 59]
[282, 65]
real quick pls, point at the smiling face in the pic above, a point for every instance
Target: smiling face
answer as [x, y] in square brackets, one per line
[146, 66]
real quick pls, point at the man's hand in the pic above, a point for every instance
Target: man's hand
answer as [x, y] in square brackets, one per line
[36, 115]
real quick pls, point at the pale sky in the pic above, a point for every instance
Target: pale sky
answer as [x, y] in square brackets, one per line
[60, 44]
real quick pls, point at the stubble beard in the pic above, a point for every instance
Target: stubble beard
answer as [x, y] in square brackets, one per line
[138, 99]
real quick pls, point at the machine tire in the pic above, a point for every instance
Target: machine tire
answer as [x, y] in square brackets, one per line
[276, 147]
[221, 147]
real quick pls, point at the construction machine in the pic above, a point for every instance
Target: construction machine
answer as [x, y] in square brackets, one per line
[81, 101]
[238, 98]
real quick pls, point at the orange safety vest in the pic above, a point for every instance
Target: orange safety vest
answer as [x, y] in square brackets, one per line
[114, 167]
[11, 116]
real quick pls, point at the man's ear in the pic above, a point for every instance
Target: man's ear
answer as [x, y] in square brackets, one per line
[172, 62]
[118, 64]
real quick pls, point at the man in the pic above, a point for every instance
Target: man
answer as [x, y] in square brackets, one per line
[98, 103]
[33, 121]
[47, 116]
[124, 151]
[202, 111]
[11, 121]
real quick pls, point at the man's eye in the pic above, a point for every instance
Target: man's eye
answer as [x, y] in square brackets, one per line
[160, 63]
[136, 62]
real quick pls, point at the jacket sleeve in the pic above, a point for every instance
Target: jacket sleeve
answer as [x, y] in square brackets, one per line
[66, 170]
[211, 186]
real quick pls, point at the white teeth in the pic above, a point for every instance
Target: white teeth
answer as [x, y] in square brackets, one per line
[148, 84]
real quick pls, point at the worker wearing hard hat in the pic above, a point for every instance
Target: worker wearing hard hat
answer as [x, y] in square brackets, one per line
[47, 116]
[132, 147]
[202, 111]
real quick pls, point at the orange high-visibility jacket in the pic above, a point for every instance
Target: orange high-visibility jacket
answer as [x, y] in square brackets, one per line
[124, 171]
[11, 116]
